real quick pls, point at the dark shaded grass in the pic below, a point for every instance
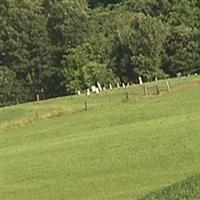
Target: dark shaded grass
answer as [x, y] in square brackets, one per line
[188, 189]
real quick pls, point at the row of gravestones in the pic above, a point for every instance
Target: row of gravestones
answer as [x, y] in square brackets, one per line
[97, 89]
[179, 75]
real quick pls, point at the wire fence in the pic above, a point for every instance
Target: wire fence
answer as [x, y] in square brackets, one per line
[25, 113]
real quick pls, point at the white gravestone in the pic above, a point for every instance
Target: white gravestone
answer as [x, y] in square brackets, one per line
[123, 85]
[99, 86]
[110, 86]
[140, 80]
[79, 92]
[179, 74]
[93, 88]
[97, 90]
[38, 97]
[88, 92]
[118, 86]
[104, 89]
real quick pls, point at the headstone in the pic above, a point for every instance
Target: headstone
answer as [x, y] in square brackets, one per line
[118, 86]
[156, 79]
[140, 80]
[38, 97]
[93, 88]
[104, 89]
[179, 74]
[99, 86]
[128, 85]
[88, 92]
[79, 92]
[97, 90]
[195, 74]
[17, 100]
[110, 86]
[123, 85]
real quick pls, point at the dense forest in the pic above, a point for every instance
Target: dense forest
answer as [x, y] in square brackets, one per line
[56, 47]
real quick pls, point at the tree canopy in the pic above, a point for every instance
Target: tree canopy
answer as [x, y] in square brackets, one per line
[57, 47]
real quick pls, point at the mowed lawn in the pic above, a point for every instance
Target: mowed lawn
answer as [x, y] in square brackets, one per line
[117, 149]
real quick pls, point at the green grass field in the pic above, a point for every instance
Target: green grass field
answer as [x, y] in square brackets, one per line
[117, 149]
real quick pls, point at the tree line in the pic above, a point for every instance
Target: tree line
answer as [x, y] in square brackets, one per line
[56, 47]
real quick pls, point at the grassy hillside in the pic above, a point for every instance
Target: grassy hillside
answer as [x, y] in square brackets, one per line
[117, 149]
[187, 189]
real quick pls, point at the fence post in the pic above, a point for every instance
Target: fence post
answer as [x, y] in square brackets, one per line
[86, 106]
[37, 115]
[145, 89]
[109, 99]
[126, 93]
[168, 86]
[157, 90]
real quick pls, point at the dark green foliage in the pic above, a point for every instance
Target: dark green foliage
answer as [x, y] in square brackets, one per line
[54, 48]
[24, 49]
[7, 85]
[94, 3]
[146, 42]
[182, 50]
[187, 189]
[80, 70]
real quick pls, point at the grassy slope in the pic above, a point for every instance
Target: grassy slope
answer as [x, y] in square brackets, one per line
[187, 189]
[114, 150]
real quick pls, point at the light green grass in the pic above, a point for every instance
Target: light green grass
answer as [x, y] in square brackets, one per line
[116, 150]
